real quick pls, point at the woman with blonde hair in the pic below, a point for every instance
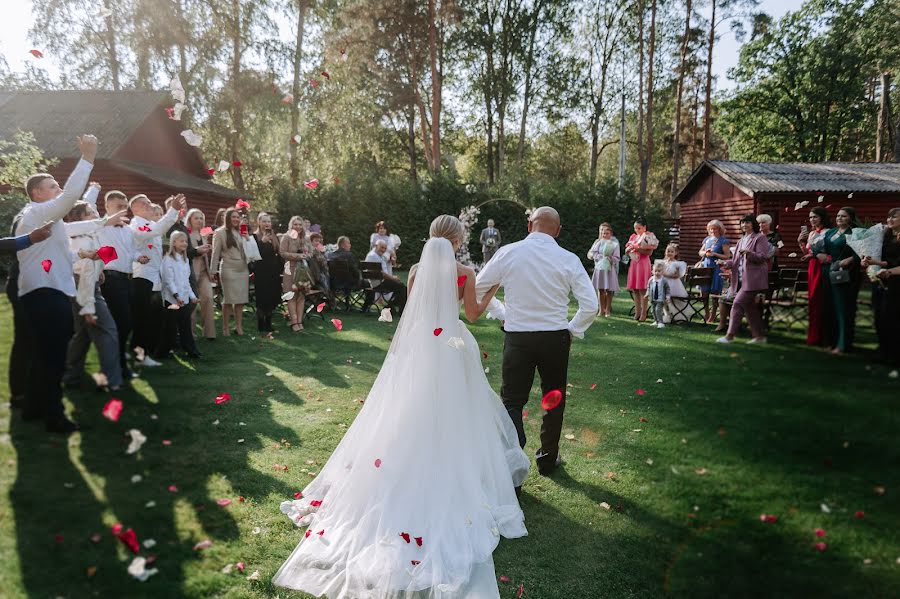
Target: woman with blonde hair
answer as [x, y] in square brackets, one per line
[430, 422]
[266, 273]
[233, 273]
[715, 248]
[178, 297]
[606, 254]
[296, 282]
[195, 222]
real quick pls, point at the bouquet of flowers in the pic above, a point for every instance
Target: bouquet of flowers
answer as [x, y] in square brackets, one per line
[868, 242]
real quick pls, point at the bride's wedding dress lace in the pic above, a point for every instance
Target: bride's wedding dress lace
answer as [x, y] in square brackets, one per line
[416, 496]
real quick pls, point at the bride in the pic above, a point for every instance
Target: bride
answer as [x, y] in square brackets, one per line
[415, 498]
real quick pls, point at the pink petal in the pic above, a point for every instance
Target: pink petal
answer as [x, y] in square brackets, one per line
[504, 579]
[173, 489]
[860, 515]
[820, 532]
[640, 392]
[240, 566]
[36, 53]
[820, 546]
[320, 307]
[378, 463]
[203, 545]
[116, 529]
[223, 502]
[107, 254]
[220, 399]
[46, 265]
[337, 324]
[112, 409]
[594, 386]
[438, 331]
[551, 399]
[298, 495]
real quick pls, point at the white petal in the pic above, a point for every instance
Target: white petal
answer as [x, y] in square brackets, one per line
[191, 138]
[137, 439]
[223, 165]
[177, 110]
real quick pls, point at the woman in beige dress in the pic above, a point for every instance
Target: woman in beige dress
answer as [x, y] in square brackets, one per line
[233, 276]
[295, 249]
[195, 221]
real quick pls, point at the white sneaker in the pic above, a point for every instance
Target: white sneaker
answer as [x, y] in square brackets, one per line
[148, 361]
[723, 340]
[660, 325]
[760, 340]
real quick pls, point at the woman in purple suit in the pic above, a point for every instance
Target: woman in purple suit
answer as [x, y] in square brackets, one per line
[749, 277]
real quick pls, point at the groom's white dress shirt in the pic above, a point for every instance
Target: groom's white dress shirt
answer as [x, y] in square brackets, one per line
[537, 277]
[56, 248]
[151, 270]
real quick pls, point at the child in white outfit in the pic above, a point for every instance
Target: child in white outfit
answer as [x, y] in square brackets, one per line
[178, 297]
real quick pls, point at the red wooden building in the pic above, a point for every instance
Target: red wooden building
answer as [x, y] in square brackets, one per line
[728, 190]
[141, 148]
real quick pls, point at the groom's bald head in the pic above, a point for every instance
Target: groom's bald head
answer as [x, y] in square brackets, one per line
[544, 220]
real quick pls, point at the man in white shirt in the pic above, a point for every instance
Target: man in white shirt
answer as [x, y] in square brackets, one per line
[46, 284]
[389, 286]
[537, 277]
[146, 304]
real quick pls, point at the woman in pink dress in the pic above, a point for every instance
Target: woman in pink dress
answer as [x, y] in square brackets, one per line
[639, 247]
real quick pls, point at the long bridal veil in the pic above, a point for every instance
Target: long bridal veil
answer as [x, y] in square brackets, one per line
[413, 500]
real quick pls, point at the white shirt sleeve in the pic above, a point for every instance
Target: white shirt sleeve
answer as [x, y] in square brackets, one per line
[490, 275]
[90, 196]
[84, 227]
[58, 207]
[86, 282]
[157, 228]
[584, 292]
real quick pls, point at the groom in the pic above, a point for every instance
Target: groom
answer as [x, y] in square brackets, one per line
[537, 277]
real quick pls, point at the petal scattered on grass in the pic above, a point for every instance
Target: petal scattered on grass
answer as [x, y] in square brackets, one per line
[203, 545]
[112, 410]
[220, 399]
[337, 324]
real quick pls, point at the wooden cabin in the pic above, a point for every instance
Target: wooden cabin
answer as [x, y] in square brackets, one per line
[728, 190]
[141, 148]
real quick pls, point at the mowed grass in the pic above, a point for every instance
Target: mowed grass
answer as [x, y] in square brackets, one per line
[661, 493]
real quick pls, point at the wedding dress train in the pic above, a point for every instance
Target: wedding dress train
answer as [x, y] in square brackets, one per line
[416, 496]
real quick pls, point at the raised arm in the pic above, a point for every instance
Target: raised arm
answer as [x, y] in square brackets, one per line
[58, 207]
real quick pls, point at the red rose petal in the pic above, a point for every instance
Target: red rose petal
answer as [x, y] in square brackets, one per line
[241, 204]
[321, 532]
[166, 442]
[59, 538]
[504, 579]
[551, 399]
[419, 541]
[820, 532]
[460, 281]
[46, 265]
[236, 163]
[438, 331]
[320, 307]
[311, 184]
[107, 253]
[220, 399]
[149, 246]
[241, 499]
[484, 355]
[820, 546]
[223, 502]
[326, 75]
[642, 419]
[315, 503]
[298, 495]
[405, 536]
[524, 413]
[860, 514]
[129, 538]
[144, 228]
[640, 392]
[173, 489]
[171, 112]
[521, 590]
[337, 324]
[240, 566]
[116, 529]
[306, 535]
[210, 171]
[112, 409]
[594, 386]
[36, 53]
[206, 231]
[378, 463]
[314, 83]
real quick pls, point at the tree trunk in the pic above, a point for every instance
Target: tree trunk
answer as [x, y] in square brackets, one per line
[437, 78]
[526, 97]
[640, 110]
[884, 118]
[111, 48]
[411, 143]
[295, 91]
[679, 94]
[647, 159]
[707, 106]
[595, 145]
[695, 125]
[237, 117]
[489, 82]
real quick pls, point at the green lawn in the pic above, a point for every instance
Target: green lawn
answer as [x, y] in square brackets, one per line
[721, 435]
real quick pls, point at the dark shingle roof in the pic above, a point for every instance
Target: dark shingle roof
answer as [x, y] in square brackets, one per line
[56, 116]
[177, 179]
[797, 177]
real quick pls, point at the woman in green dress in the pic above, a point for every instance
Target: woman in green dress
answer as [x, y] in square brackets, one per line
[845, 278]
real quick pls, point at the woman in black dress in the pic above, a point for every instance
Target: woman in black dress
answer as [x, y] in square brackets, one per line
[266, 273]
[886, 295]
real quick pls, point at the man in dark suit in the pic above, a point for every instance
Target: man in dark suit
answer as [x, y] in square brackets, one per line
[343, 254]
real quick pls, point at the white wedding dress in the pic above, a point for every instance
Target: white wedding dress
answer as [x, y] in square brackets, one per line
[416, 496]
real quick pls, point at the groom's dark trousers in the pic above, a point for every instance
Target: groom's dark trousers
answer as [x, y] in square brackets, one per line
[548, 351]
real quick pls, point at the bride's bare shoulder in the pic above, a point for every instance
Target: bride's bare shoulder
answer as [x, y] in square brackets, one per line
[462, 269]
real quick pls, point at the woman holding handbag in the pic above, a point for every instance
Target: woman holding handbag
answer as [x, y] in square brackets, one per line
[295, 250]
[233, 274]
[844, 277]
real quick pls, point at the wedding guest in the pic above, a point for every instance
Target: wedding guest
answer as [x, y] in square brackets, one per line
[146, 306]
[674, 270]
[382, 233]
[266, 273]
[179, 300]
[201, 242]
[389, 284]
[11, 245]
[46, 284]
[844, 268]
[715, 247]
[92, 320]
[659, 293]
[821, 309]
[886, 292]
[343, 254]
[490, 240]
[749, 277]
[774, 238]
[219, 220]
[295, 250]
[320, 262]
[605, 253]
[228, 267]
[640, 245]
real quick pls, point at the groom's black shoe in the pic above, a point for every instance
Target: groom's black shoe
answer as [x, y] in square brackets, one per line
[545, 468]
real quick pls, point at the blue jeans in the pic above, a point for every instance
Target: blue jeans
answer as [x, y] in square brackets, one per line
[105, 338]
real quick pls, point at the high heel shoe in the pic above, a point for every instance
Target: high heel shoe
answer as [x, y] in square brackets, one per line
[296, 327]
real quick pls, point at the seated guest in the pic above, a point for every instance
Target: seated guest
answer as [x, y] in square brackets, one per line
[343, 254]
[321, 262]
[46, 284]
[387, 285]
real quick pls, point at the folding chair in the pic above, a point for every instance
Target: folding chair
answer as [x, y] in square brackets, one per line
[373, 273]
[697, 277]
[344, 285]
[792, 305]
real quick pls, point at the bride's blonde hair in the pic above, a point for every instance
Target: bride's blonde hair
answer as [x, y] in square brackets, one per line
[448, 227]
